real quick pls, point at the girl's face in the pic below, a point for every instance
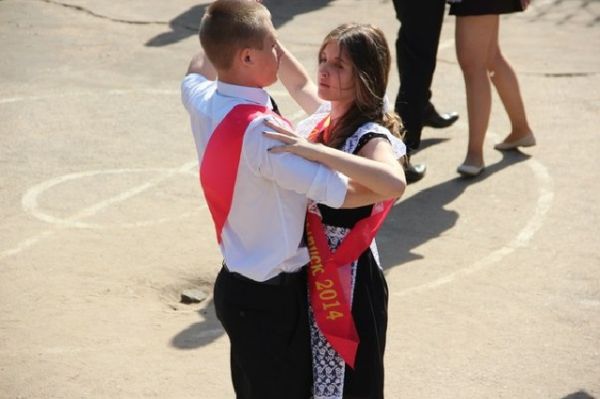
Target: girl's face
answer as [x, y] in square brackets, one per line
[336, 75]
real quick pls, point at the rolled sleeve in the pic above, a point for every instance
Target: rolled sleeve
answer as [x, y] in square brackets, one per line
[329, 187]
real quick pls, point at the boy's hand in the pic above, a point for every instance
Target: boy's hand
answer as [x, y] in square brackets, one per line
[200, 64]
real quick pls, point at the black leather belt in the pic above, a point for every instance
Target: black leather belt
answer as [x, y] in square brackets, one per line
[281, 279]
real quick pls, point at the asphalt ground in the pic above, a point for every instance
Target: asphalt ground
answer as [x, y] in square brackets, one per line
[494, 282]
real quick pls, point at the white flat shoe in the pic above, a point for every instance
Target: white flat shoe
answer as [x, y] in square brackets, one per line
[469, 170]
[526, 141]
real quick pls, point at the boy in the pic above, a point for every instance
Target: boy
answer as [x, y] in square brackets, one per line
[257, 199]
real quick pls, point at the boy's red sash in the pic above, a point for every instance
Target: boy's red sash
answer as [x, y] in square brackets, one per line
[330, 291]
[219, 167]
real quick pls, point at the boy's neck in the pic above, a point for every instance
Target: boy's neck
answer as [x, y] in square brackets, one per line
[236, 78]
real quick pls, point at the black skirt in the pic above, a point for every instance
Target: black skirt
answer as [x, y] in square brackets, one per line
[485, 7]
[369, 311]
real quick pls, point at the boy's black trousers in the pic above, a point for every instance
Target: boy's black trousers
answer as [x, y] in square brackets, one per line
[267, 325]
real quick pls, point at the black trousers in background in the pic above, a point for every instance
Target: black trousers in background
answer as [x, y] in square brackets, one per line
[267, 325]
[416, 52]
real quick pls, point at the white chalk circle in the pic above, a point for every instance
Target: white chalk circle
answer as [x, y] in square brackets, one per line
[31, 205]
[30, 199]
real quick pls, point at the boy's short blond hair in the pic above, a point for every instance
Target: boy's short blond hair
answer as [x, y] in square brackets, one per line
[231, 25]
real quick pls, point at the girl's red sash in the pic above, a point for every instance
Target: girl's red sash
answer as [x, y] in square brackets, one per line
[330, 303]
[330, 292]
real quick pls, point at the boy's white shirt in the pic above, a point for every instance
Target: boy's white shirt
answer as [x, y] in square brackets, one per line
[264, 229]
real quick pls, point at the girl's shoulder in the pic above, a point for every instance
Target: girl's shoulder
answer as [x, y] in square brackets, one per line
[306, 125]
[369, 131]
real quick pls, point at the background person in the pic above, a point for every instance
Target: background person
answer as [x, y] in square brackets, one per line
[416, 53]
[481, 61]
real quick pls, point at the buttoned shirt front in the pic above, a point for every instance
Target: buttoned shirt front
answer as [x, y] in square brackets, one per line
[263, 232]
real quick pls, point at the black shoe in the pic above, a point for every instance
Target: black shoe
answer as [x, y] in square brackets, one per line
[414, 172]
[438, 121]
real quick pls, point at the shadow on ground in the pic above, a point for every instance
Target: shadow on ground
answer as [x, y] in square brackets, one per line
[186, 23]
[430, 142]
[579, 395]
[422, 217]
[201, 333]
[411, 223]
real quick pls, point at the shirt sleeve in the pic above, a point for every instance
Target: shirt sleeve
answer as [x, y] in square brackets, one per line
[193, 86]
[290, 171]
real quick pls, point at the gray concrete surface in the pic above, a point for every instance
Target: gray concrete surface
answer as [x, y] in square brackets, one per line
[495, 283]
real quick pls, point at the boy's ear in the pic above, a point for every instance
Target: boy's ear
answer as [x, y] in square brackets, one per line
[246, 57]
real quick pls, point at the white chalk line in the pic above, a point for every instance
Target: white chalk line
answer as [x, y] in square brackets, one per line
[29, 201]
[30, 205]
[73, 220]
[522, 239]
[543, 205]
[27, 243]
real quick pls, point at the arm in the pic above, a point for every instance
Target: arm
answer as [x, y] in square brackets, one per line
[358, 195]
[200, 64]
[377, 149]
[297, 82]
[378, 172]
[289, 171]
[376, 169]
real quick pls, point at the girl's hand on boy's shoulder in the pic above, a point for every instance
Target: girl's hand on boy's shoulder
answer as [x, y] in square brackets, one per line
[291, 142]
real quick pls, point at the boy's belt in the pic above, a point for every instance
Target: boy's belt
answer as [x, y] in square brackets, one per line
[282, 278]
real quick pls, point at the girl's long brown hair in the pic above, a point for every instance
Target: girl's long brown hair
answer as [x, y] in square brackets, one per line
[368, 51]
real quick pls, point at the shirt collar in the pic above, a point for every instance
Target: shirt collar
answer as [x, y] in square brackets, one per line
[252, 94]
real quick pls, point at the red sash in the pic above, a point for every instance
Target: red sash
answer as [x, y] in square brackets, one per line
[219, 167]
[322, 128]
[330, 289]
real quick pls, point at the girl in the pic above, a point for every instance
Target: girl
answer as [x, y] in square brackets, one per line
[349, 113]
[481, 61]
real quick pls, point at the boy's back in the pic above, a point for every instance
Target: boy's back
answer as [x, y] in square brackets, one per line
[263, 232]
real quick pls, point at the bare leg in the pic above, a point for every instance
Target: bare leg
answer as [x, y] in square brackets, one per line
[505, 80]
[474, 38]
